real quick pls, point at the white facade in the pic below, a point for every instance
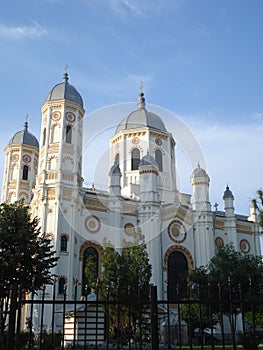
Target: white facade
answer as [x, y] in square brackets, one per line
[180, 233]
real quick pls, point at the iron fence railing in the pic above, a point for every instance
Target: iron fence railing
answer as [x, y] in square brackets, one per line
[47, 322]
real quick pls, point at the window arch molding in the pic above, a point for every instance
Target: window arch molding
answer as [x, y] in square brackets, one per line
[159, 158]
[25, 172]
[62, 281]
[94, 250]
[182, 250]
[135, 158]
[64, 238]
[69, 133]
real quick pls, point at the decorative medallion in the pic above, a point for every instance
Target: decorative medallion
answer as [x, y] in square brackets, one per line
[136, 140]
[70, 117]
[177, 231]
[129, 229]
[56, 116]
[219, 242]
[26, 158]
[15, 157]
[92, 224]
[244, 246]
[158, 141]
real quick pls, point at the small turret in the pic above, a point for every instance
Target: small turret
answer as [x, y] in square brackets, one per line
[148, 170]
[229, 200]
[21, 156]
[115, 180]
[200, 182]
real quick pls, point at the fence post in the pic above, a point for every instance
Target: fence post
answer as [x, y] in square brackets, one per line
[154, 318]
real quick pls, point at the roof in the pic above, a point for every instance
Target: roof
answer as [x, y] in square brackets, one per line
[141, 118]
[148, 160]
[24, 137]
[199, 172]
[228, 193]
[64, 91]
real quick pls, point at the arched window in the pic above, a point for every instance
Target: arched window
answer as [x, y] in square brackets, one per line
[90, 260]
[159, 159]
[61, 285]
[25, 172]
[117, 159]
[54, 137]
[135, 160]
[63, 243]
[177, 275]
[44, 137]
[68, 134]
[52, 165]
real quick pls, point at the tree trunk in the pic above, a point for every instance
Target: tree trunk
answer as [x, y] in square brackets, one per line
[12, 318]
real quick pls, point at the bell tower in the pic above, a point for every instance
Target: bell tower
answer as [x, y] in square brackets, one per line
[21, 160]
[59, 171]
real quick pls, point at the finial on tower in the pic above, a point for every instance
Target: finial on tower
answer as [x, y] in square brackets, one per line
[65, 76]
[26, 123]
[141, 99]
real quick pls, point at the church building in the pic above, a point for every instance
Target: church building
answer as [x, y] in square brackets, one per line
[181, 230]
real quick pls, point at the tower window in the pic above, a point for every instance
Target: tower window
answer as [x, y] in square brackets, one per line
[54, 136]
[117, 159]
[68, 134]
[44, 136]
[159, 159]
[25, 172]
[135, 160]
[63, 243]
[61, 285]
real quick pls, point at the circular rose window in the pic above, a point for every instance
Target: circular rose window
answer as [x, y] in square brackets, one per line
[129, 229]
[219, 242]
[92, 224]
[56, 116]
[70, 117]
[136, 140]
[244, 246]
[177, 231]
[15, 157]
[26, 158]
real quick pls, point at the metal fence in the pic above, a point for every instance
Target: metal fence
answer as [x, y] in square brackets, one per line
[156, 324]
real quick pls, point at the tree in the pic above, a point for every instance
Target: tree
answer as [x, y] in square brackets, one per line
[126, 279]
[258, 203]
[229, 276]
[26, 258]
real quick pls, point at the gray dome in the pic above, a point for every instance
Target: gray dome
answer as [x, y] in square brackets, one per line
[141, 118]
[199, 172]
[115, 169]
[64, 91]
[148, 160]
[228, 193]
[23, 137]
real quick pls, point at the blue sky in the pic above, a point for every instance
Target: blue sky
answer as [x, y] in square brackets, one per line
[200, 59]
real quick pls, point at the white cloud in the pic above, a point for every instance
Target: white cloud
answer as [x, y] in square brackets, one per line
[20, 32]
[142, 8]
[232, 153]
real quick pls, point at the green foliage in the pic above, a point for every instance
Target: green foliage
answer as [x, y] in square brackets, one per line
[26, 255]
[230, 275]
[91, 272]
[126, 278]
[197, 316]
[258, 203]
